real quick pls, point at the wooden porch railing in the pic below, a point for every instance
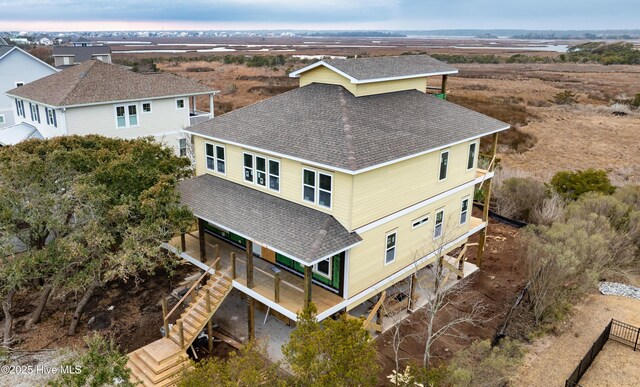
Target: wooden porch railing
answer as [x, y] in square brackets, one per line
[187, 294]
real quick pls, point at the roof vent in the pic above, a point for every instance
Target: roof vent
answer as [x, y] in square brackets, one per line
[83, 74]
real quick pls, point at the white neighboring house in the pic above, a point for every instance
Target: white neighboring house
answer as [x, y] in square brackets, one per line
[17, 68]
[99, 98]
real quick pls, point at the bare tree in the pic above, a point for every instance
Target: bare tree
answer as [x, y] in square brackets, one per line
[441, 315]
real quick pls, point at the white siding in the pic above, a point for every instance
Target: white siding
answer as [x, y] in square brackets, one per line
[45, 129]
[18, 66]
[164, 122]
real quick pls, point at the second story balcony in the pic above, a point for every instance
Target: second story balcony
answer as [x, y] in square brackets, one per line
[196, 117]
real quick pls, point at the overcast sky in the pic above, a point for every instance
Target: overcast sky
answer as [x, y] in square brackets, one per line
[317, 14]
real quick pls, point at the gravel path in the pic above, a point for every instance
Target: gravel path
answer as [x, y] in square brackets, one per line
[618, 289]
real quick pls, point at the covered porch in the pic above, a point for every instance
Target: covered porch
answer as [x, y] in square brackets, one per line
[281, 255]
[272, 285]
[196, 116]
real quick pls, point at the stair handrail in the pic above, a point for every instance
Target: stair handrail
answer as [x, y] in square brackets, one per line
[493, 159]
[208, 295]
[166, 318]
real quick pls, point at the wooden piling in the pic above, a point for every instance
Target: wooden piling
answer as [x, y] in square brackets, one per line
[276, 287]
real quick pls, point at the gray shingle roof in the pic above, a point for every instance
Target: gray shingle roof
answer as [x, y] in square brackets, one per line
[295, 230]
[404, 66]
[81, 54]
[96, 82]
[327, 125]
[5, 49]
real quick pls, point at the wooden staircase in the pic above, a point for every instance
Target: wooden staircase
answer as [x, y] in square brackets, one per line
[162, 362]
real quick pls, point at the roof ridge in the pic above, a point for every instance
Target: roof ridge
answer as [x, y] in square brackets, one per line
[346, 128]
[91, 64]
[320, 237]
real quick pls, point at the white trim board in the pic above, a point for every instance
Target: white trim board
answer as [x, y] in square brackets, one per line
[422, 204]
[296, 74]
[145, 99]
[338, 169]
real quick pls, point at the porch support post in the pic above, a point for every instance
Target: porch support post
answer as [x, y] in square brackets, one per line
[249, 254]
[193, 105]
[307, 285]
[201, 237]
[183, 242]
[412, 290]
[211, 105]
[251, 328]
[443, 89]
[482, 239]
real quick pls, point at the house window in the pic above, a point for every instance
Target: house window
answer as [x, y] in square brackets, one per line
[248, 167]
[126, 116]
[264, 170]
[51, 117]
[437, 229]
[472, 155]
[20, 108]
[19, 84]
[35, 112]
[390, 248]
[66, 60]
[1, 119]
[133, 115]
[420, 221]
[444, 165]
[180, 103]
[261, 171]
[216, 160]
[182, 146]
[146, 107]
[274, 175]
[464, 211]
[317, 187]
[323, 268]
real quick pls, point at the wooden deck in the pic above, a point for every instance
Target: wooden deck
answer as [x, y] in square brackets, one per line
[475, 222]
[291, 285]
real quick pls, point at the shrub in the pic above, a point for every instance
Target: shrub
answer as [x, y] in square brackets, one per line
[483, 365]
[248, 367]
[331, 353]
[636, 100]
[573, 184]
[565, 98]
[101, 365]
[599, 237]
[552, 209]
[519, 197]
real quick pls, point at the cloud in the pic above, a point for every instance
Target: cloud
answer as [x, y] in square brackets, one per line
[373, 14]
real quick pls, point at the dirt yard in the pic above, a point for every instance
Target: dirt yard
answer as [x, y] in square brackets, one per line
[495, 287]
[617, 365]
[551, 359]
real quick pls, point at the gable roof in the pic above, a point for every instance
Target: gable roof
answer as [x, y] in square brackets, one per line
[5, 50]
[95, 82]
[3, 42]
[327, 126]
[367, 70]
[14, 134]
[81, 54]
[302, 233]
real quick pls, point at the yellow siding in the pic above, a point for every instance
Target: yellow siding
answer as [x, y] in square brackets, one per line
[363, 89]
[366, 261]
[322, 74]
[290, 180]
[383, 191]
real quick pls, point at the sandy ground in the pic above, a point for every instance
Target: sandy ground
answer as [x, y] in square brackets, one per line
[551, 359]
[616, 365]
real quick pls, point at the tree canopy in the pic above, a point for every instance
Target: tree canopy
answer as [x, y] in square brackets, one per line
[76, 212]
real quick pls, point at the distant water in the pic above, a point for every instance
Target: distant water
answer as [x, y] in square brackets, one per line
[548, 47]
